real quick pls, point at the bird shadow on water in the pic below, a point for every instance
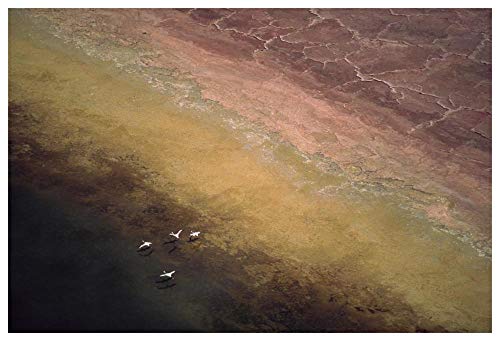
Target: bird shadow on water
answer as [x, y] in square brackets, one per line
[145, 253]
[173, 249]
[164, 283]
[167, 286]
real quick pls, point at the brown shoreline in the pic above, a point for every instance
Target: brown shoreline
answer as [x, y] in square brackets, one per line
[290, 301]
[405, 121]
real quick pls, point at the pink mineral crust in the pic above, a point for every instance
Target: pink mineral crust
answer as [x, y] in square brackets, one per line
[401, 94]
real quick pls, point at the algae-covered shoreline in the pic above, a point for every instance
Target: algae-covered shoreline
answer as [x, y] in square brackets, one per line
[278, 254]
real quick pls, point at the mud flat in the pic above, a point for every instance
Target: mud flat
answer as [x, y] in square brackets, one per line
[290, 240]
[397, 97]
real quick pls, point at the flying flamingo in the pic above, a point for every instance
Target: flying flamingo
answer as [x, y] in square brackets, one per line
[194, 234]
[176, 235]
[145, 245]
[170, 274]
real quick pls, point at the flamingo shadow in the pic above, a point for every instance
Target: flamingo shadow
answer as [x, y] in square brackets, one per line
[145, 252]
[166, 286]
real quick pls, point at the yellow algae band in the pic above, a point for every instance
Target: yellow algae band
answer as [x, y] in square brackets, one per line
[390, 266]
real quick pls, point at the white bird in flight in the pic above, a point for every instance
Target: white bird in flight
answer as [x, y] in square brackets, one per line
[167, 274]
[194, 234]
[145, 245]
[176, 235]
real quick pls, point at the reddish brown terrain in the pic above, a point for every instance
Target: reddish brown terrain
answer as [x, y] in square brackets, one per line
[401, 97]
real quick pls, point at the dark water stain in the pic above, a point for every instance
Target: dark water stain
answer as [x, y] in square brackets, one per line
[73, 268]
[69, 271]
[85, 223]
